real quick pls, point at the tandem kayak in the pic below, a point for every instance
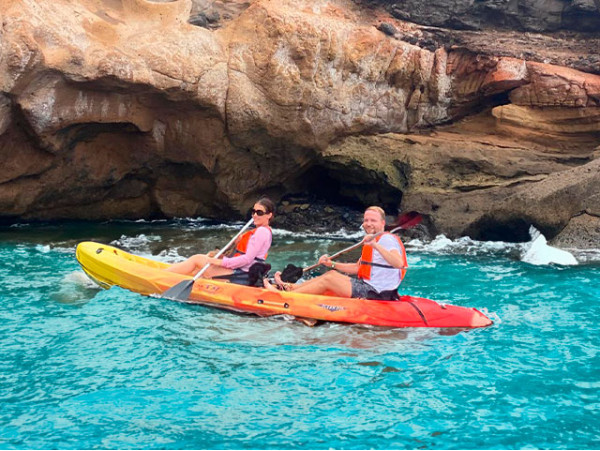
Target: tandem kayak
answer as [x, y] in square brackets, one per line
[109, 266]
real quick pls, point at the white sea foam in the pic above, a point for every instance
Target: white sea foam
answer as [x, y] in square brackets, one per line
[75, 288]
[137, 241]
[140, 245]
[187, 224]
[537, 251]
[415, 261]
[491, 315]
[341, 234]
[585, 255]
[78, 278]
[464, 245]
[168, 256]
[531, 252]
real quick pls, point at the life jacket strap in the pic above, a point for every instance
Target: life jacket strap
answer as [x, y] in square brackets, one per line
[238, 252]
[379, 265]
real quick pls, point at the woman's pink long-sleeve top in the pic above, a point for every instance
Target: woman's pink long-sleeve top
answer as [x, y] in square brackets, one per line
[258, 246]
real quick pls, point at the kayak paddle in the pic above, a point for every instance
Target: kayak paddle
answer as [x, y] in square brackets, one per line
[182, 290]
[405, 221]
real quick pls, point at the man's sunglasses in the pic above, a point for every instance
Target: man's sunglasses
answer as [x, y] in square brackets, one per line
[258, 212]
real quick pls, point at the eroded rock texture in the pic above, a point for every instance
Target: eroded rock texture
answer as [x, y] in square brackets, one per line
[133, 108]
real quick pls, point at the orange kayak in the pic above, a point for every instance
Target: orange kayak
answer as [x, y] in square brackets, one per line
[109, 266]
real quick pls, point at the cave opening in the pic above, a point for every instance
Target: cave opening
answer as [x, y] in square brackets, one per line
[328, 186]
[501, 98]
[514, 230]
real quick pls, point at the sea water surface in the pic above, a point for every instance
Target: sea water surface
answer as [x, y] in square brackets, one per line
[82, 367]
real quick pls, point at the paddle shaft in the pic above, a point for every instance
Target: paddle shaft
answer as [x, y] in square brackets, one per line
[182, 290]
[222, 251]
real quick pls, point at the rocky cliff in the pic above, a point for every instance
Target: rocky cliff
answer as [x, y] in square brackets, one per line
[484, 116]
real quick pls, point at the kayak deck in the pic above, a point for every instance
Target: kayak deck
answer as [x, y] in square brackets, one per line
[109, 266]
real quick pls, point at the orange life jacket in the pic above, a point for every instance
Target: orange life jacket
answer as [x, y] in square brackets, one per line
[366, 260]
[242, 245]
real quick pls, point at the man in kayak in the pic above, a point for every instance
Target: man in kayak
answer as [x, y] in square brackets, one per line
[251, 248]
[378, 272]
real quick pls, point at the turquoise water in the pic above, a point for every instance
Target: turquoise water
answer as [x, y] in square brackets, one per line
[89, 368]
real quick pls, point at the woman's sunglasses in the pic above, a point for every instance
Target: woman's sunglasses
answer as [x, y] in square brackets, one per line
[258, 212]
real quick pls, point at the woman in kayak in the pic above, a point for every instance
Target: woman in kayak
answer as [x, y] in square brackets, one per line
[251, 248]
[379, 271]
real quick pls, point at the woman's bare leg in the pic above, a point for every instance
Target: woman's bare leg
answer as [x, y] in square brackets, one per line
[214, 271]
[195, 263]
[190, 266]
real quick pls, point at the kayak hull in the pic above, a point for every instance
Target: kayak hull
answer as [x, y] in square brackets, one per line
[109, 266]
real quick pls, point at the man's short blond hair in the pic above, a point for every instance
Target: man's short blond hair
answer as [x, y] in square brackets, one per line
[378, 210]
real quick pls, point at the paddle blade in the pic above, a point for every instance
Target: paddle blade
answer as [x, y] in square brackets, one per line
[181, 291]
[413, 220]
[291, 273]
[406, 220]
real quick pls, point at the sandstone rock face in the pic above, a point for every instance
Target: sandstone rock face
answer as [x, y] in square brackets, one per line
[469, 183]
[123, 108]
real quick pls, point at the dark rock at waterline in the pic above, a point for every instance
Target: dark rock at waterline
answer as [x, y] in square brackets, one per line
[529, 15]
[387, 28]
[300, 215]
[199, 20]
[208, 19]
[304, 215]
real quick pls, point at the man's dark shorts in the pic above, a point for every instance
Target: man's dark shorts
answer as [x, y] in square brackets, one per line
[362, 290]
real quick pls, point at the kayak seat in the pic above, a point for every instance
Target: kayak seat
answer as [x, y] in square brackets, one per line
[252, 278]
